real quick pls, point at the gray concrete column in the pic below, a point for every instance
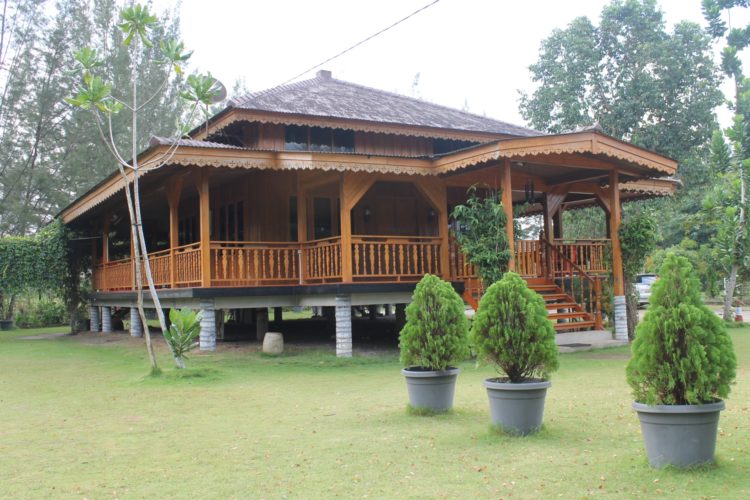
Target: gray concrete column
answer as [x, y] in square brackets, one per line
[208, 326]
[344, 326]
[261, 323]
[621, 318]
[136, 326]
[94, 316]
[107, 319]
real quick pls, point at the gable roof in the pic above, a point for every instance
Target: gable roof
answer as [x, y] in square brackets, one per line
[328, 97]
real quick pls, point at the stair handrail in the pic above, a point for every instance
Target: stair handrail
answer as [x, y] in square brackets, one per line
[594, 283]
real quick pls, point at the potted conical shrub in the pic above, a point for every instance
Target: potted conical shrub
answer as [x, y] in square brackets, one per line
[433, 340]
[512, 332]
[680, 371]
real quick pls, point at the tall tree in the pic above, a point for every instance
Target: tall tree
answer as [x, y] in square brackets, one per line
[638, 81]
[732, 239]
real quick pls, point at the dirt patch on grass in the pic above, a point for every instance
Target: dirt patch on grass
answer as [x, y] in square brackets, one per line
[604, 355]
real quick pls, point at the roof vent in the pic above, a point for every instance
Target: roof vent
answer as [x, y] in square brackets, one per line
[323, 74]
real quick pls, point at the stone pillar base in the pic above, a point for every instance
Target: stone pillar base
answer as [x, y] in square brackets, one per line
[621, 318]
[344, 326]
[107, 319]
[208, 327]
[136, 327]
[94, 316]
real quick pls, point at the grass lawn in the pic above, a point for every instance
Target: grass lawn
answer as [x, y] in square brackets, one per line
[78, 418]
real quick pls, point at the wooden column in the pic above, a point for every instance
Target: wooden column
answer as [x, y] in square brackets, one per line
[345, 202]
[205, 227]
[507, 200]
[106, 226]
[547, 220]
[301, 227]
[615, 215]
[557, 219]
[174, 191]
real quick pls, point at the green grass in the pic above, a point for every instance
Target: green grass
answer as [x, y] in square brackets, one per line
[84, 420]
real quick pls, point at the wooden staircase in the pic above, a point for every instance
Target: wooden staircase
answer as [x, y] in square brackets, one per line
[564, 312]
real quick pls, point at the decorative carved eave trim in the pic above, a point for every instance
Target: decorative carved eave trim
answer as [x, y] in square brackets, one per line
[575, 143]
[655, 187]
[232, 115]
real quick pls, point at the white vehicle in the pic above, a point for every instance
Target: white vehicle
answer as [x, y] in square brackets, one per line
[643, 284]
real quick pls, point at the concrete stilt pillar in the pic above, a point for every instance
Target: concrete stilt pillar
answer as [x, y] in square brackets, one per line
[136, 327]
[208, 327]
[344, 326]
[621, 318]
[94, 316]
[389, 310]
[107, 319]
[261, 323]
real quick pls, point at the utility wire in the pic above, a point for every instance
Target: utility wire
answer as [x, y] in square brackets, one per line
[363, 41]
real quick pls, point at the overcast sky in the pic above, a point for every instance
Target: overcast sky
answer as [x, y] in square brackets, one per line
[467, 52]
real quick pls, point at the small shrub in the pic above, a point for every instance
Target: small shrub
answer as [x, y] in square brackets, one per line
[682, 353]
[184, 328]
[511, 330]
[436, 331]
[42, 311]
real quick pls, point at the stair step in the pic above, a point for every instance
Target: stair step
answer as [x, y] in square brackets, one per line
[569, 315]
[576, 325]
[555, 296]
[561, 305]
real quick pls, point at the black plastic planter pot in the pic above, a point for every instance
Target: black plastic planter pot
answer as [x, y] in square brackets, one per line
[679, 435]
[518, 408]
[431, 390]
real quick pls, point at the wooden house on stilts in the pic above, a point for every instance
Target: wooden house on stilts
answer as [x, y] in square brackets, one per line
[326, 193]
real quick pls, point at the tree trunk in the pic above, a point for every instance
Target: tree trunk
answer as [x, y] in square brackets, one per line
[631, 305]
[729, 293]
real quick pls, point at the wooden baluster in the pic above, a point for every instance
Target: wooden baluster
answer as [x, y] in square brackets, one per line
[401, 259]
[371, 247]
[414, 259]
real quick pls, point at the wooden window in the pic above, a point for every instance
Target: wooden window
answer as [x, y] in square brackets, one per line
[303, 138]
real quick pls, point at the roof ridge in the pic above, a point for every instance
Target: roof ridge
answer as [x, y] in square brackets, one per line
[240, 101]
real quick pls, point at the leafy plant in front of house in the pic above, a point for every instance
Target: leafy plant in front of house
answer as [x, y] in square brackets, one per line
[682, 353]
[480, 231]
[436, 330]
[638, 234]
[512, 332]
[183, 331]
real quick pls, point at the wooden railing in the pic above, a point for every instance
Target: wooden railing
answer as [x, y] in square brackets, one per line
[584, 288]
[459, 266]
[394, 258]
[321, 260]
[528, 258]
[590, 255]
[247, 263]
[186, 265]
[114, 275]
[160, 263]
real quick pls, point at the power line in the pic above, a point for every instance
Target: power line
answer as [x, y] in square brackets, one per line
[363, 41]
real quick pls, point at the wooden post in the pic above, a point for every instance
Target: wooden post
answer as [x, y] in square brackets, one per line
[615, 215]
[205, 228]
[174, 190]
[547, 237]
[345, 202]
[557, 219]
[507, 200]
[598, 324]
[436, 192]
[301, 228]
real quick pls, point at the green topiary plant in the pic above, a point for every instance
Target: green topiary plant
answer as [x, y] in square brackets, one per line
[682, 353]
[436, 331]
[511, 331]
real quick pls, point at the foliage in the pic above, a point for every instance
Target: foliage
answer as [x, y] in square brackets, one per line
[49, 153]
[436, 330]
[629, 75]
[511, 330]
[638, 233]
[701, 257]
[45, 310]
[682, 353]
[184, 329]
[480, 231]
[37, 263]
